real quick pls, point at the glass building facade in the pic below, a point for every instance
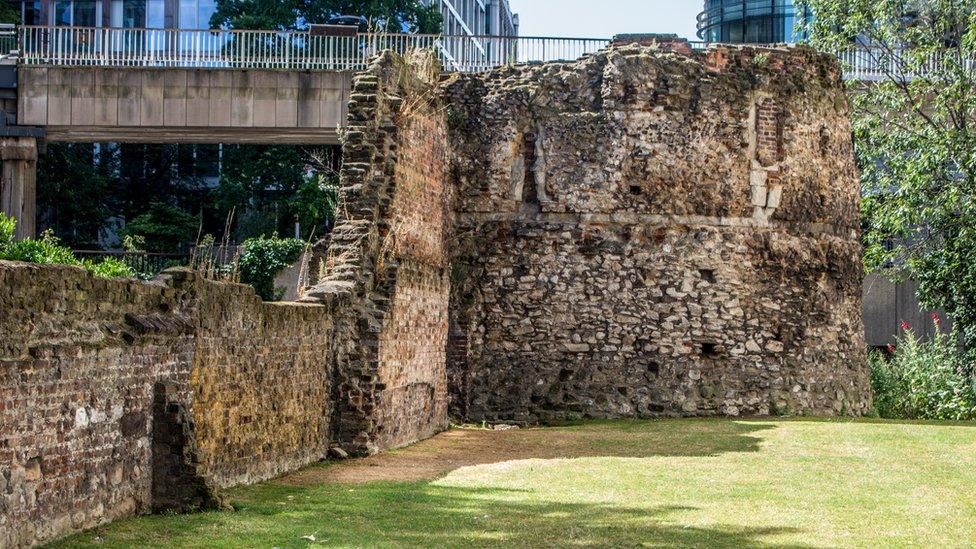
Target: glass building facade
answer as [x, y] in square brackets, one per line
[750, 21]
[477, 17]
[152, 14]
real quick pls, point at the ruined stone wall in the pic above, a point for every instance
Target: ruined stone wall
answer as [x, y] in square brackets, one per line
[262, 385]
[413, 342]
[647, 233]
[389, 250]
[122, 397]
[79, 358]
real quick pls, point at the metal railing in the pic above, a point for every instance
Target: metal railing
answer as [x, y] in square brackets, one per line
[8, 39]
[871, 64]
[119, 47]
[140, 262]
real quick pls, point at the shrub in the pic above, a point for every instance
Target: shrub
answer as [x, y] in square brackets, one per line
[49, 251]
[923, 379]
[263, 258]
[8, 226]
[111, 268]
[163, 228]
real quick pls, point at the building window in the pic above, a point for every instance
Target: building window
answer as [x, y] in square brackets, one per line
[31, 13]
[71, 13]
[156, 14]
[196, 14]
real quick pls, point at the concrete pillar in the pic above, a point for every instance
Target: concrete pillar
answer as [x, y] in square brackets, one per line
[18, 183]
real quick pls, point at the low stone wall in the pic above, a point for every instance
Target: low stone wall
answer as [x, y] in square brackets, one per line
[79, 360]
[122, 397]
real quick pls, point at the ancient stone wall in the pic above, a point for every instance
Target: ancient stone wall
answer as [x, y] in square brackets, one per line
[122, 397]
[650, 233]
[638, 233]
[389, 245]
[79, 358]
[262, 385]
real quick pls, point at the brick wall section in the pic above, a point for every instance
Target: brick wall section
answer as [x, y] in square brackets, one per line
[388, 250]
[690, 248]
[79, 360]
[262, 385]
[122, 397]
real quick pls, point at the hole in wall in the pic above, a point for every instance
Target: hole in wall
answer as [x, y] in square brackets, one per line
[824, 141]
[708, 275]
[654, 368]
[636, 190]
[709, 350]
[530, 187]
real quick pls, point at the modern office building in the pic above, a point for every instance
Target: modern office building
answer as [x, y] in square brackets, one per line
[477, 17]
[750, 21]
[154, 14]
[461, 17]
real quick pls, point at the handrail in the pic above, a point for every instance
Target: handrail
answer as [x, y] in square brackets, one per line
[215, 48]
[301, 50]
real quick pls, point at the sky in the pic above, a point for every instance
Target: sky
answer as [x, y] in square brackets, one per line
[605, 18]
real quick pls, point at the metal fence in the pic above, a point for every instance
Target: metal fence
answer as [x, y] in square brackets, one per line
[119, 47]
[302, 50]
[872, 64]
[8, 39]
[140, 262]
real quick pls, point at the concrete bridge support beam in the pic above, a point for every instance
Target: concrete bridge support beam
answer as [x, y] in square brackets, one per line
[18, 183]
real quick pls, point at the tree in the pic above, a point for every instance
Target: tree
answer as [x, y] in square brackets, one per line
[270, 186]
[383, 15]
[10, 12]
[74, 192]
[915, 137]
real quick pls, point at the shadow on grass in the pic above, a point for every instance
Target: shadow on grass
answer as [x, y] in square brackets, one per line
[458, 448]
[387, 500]
[419, 514]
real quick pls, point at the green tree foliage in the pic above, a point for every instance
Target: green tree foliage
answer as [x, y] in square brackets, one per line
[263, 258]
[10, 12]
[163, 228]
[74, 190]
[915, 136]
[270, 186]
[384, 15]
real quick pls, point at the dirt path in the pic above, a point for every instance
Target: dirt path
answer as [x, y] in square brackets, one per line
[435, 457]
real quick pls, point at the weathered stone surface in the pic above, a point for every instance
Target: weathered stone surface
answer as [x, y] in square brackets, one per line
[389, 250]
[645, 233]
[121, 397]
[638, 233]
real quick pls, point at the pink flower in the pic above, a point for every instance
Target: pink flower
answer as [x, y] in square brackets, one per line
[891, 349]
[936, 319]
[905, 325]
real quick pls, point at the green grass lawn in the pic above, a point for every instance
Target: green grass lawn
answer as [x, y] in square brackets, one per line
[792, 483]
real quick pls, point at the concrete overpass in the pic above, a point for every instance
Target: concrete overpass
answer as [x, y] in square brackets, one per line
[176, 105]
[203, 86]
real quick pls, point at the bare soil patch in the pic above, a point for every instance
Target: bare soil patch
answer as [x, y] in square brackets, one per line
[435, 457]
